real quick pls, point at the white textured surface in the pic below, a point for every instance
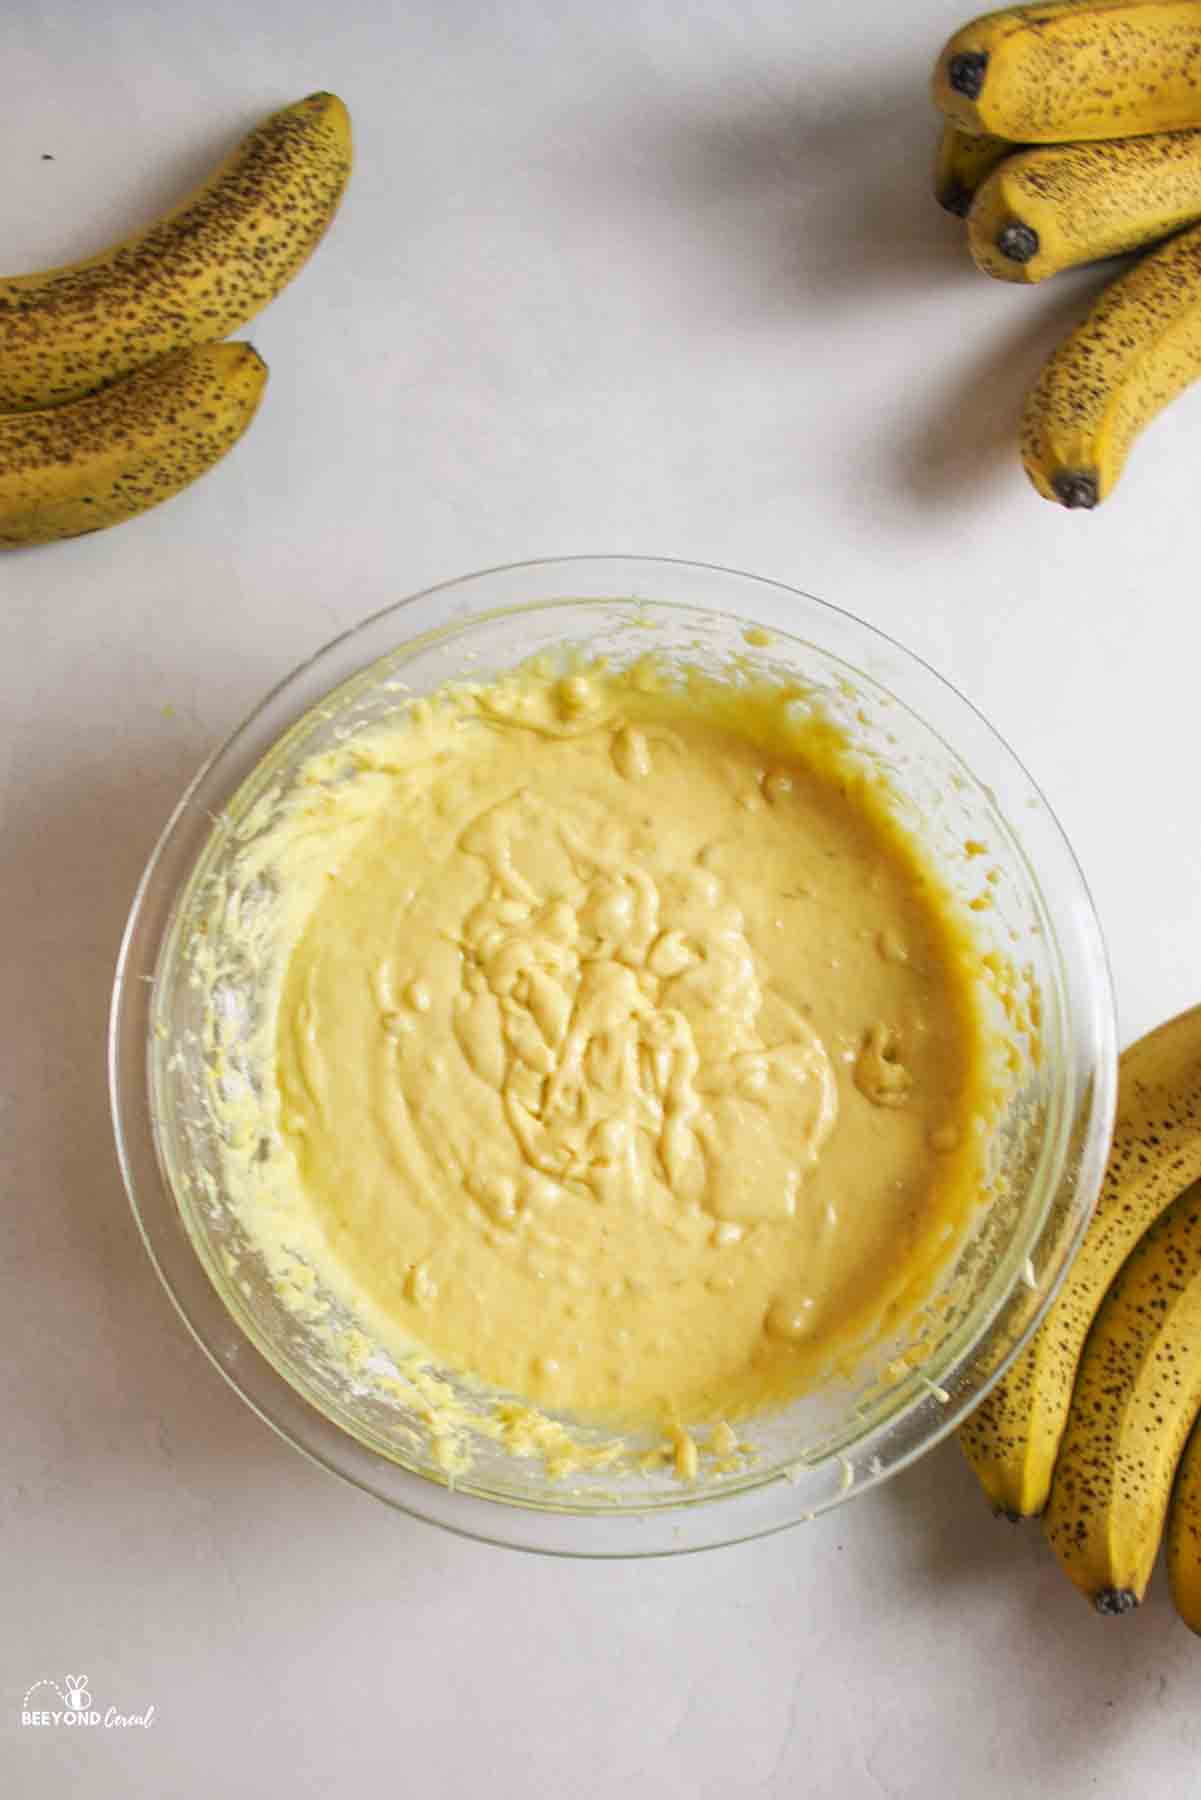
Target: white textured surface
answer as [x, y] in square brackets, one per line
[646, 277]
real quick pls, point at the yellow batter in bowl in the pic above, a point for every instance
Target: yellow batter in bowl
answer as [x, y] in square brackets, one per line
[626, 1055]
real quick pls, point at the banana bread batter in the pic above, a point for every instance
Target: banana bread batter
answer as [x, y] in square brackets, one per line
[627, 1055]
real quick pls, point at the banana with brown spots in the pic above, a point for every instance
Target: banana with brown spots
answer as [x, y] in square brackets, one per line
[1071, 69]
[1013, 1437]
[1137, 1392]
[195, 276]
[1050, 208]
[71, 469]
[1138, 347]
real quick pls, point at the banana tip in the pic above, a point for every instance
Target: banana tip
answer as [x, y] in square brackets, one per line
[965, 73]
[957, 200]
[1017, 242]
[1077, 487]
[1113, 1602]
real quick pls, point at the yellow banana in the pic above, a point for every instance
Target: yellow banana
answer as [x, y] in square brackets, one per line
[1072, 69]
[1184, 1535]
[1012, 1439]
[961, 163]
[1061, 204]
[1137, 1392]
[101, 460]
[196, 275]
[1137, 348]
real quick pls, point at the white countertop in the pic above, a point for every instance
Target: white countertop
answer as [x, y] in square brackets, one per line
[658, 278]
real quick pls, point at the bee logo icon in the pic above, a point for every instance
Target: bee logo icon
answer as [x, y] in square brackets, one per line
[76, 1692]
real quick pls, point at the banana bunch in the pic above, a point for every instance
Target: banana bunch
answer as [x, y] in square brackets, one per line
[115, 391]
[1072, 132]
[1089, 1425]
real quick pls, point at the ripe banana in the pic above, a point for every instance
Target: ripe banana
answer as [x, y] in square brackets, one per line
[1012, 1439]
[196, 275]
[1061, 204]
[1184, 1535]
[1072, 69]
[78, 468]
[1137, 348]
[961, 163]
[1137, 1392]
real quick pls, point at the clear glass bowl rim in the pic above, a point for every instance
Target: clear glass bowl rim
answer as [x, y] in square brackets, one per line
[703, 1524]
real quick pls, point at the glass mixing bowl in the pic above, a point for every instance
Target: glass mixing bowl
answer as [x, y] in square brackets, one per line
[954, 779]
